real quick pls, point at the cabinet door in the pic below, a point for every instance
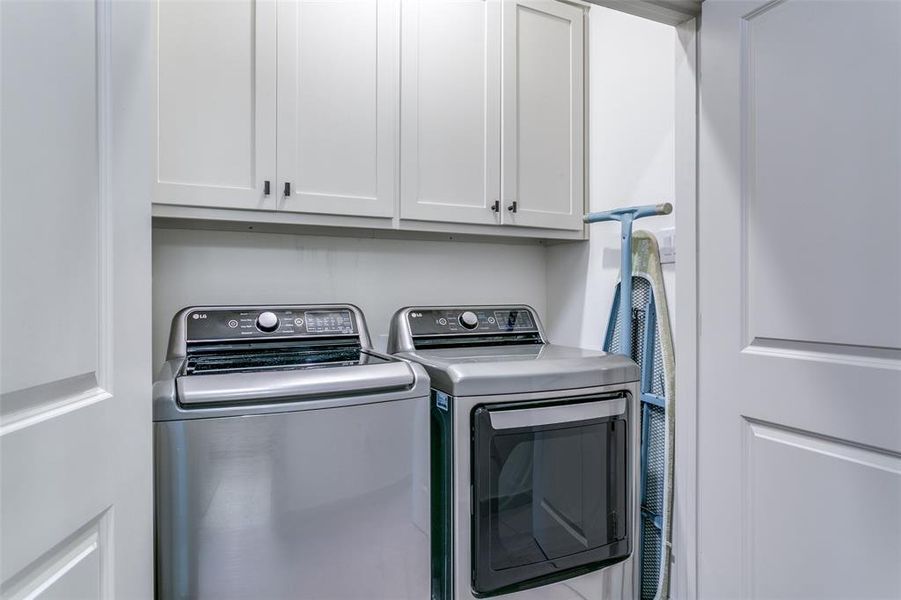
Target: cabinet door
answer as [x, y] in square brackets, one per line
[337, 105]
[450, 110]
[216, 103]
[543, 114]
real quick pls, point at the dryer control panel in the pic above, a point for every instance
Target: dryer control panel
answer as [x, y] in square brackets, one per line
[471, 320]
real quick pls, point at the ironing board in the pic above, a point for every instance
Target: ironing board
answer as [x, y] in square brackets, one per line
[652, 349]
[640, 328]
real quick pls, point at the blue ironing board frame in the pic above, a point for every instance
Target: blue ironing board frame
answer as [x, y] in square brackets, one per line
[626, 216]
[623, 305]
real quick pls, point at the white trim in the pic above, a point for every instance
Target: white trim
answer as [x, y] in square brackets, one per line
[46, 411]
[685, 518]
[104, 202]
[93, 538]
[69, 562]
[201, 217]
[827, 352]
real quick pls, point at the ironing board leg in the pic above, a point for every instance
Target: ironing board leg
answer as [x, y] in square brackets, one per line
[625, 288]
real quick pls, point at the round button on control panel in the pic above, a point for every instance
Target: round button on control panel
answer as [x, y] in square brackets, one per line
[267, 321]
[469, 320]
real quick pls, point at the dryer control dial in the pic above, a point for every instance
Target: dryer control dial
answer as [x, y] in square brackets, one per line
[469, 320]
[267, 321]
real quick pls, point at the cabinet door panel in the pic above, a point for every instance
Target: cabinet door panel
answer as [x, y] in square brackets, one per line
[450, 110]
[337, 103]
[216, 103]
[543, 114]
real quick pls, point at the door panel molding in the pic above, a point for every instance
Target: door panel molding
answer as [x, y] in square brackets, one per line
[23, 407]
[31, 406]
[770, 448]
[862, 454]
[88, 548]
[795, 285]
[843, 354]
[105, 360]
[74, 389]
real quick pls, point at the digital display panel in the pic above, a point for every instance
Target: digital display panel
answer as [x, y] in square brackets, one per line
[512, 320]
[321, 321]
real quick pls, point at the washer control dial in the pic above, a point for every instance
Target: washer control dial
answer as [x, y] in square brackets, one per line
[267, 321]
[469, 320]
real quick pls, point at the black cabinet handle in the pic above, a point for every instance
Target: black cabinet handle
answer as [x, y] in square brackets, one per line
[287, 189]
[266, 188]
[496, 206]
[512, 207]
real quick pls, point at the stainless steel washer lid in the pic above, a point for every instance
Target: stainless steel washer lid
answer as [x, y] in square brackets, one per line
[243, 360]
[295, 384]
[239, 394]
[490, 370]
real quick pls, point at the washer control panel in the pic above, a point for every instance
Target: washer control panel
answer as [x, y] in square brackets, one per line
[468, 320]
[230, 324]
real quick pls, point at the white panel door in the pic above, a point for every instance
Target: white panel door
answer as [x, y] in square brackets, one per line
[799, 432]
[450, 110]
[543, 118]
[75, 419]
[216, 103]
[337, 106]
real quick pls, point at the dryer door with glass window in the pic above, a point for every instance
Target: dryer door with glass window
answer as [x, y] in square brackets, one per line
[550, 490]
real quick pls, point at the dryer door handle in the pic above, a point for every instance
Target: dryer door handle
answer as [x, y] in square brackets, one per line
[554, 415]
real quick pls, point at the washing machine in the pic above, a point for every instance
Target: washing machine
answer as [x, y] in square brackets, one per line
[534, 454]
[291, 460]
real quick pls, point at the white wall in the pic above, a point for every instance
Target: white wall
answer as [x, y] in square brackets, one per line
[631, 161]
[378, 275]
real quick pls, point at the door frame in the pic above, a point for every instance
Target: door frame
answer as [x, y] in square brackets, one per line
[685, 512]
[686, 20]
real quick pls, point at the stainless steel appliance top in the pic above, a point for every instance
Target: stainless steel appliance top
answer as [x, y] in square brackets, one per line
[490, 350]
[237, 360]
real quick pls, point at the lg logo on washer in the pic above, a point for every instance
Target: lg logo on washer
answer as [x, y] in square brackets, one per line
[199, 316]
[415, 315]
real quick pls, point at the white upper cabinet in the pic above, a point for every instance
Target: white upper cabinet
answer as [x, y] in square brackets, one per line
[450, 110]
[216, 103]
[337, 106]
[543, 114]
[444, 115]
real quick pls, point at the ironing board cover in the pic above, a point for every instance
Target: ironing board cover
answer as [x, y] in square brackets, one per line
[652, 349]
